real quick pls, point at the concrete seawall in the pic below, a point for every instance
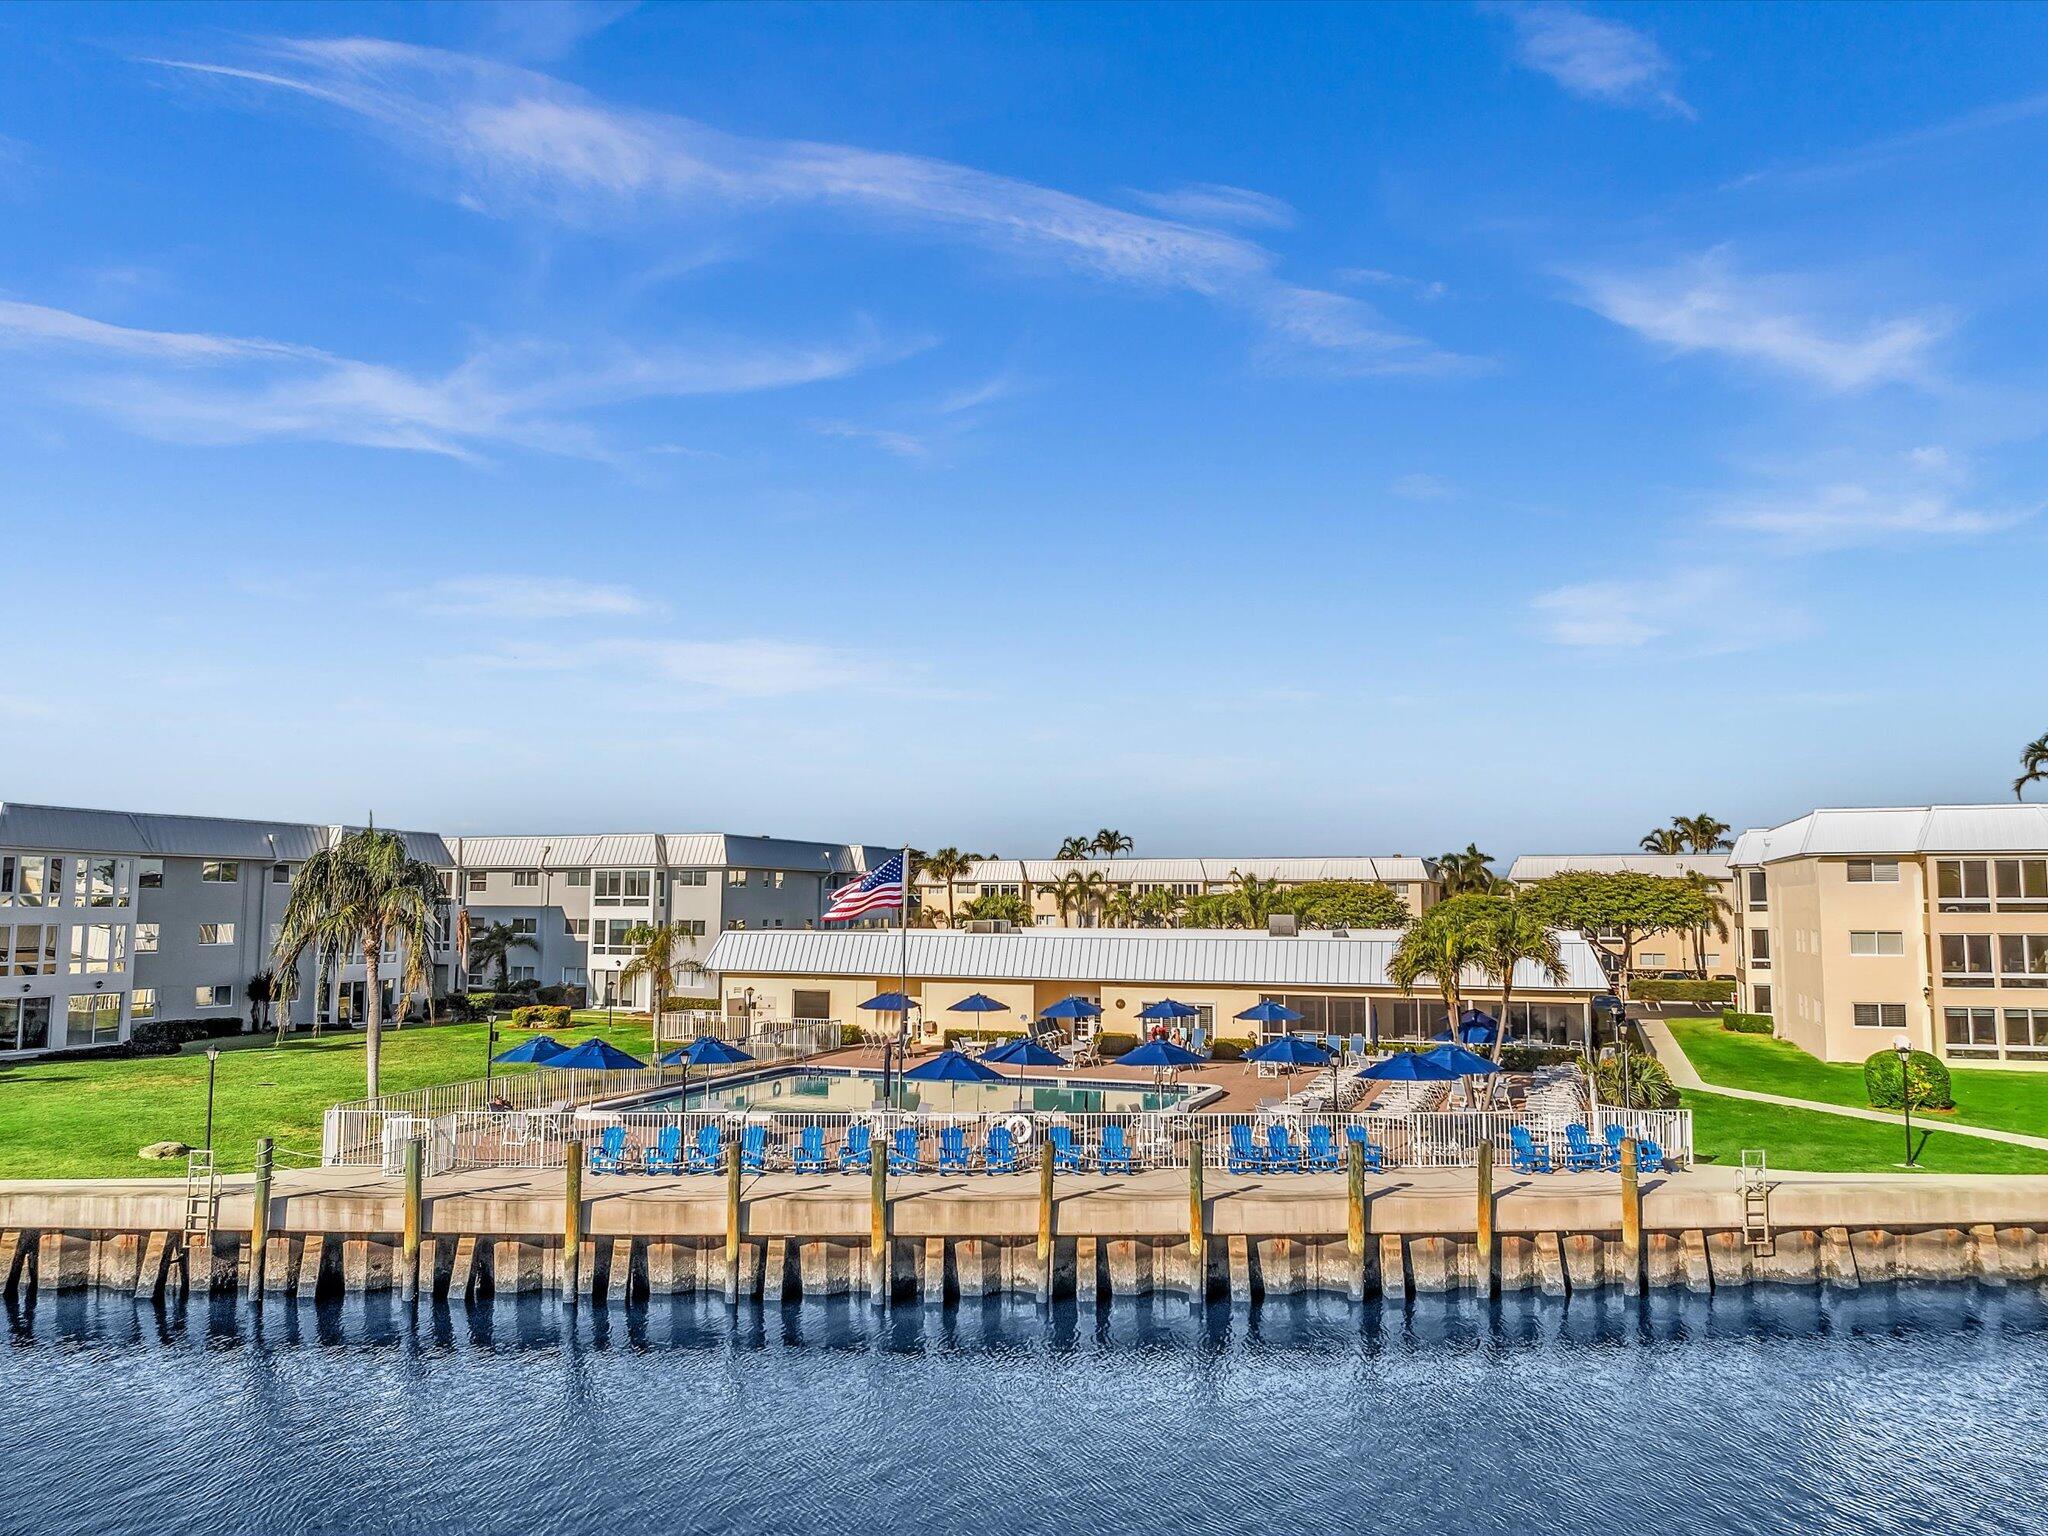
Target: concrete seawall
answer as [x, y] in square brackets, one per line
[785, 1237]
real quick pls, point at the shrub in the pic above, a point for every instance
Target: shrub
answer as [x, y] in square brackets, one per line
[540, 1016]
[674, 1004]
[1882, 1081]
[1649, 1085]
[1747, 1023]
[1229, 1048]
[1685, 989]
[976, 1039]
[1112, 1043]
[1527, 1058]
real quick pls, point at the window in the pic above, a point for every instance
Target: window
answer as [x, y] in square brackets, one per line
[98, 949]
[736, 877]
[2021, 882]
[1760, 1000]
[530, 926]
[612, 933]
[693, 926]
[2023, 959]
[93, 1018]
[149, 874]
[523, 973]
[576, 927]
[221, 996]
[614, 886]
[1651, 960]
[576, 877]
[2026, 1029]
[1962, 885]
[525, 877]
[145, 938]
[281, 874]
[33, 950]
[1970, 1031]
[1966, 959]
[1862, 942]
[998, 890]
[1760, 947]
[1873, 871]
[99, 882]
[1759, 889]
[216, 933]
[142, 1003]
[1880, 1015]
[477, 881]
[24, 1023]
[692, 877]
[220, 871]
[25, 880]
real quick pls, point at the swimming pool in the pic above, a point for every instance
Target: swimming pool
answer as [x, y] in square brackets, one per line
[1895, 1412]
[847, 1088]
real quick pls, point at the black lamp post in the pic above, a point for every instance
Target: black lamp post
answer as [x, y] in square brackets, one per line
[212, 1060]
[1905, 1049]
[490, 1050]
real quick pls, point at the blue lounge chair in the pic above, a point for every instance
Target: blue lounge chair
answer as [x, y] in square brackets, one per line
[1358, 1044]
[1244, 1155]
[1580, 1155]
[1115, 1156]
[667, 1155]
[1064, 1153]
[610, 1155]
[810, 1150]
[999, 1152]
[1374, 1154]
[1615, 1136]
[1281, 1152]
[1524, 1156]
[903, 1150]
[1322, 1150]
[708, 1155]
[854, 1155]
[1649, 1156]
[953, 1154]
[754, 1149]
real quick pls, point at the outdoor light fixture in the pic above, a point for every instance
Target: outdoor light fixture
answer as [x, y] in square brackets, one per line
[1904, 1047]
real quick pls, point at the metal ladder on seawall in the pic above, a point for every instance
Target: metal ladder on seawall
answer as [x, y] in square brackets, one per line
[202, 1197]
[1756, 1201]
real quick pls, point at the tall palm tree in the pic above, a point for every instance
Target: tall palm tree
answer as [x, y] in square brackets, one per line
[364, 890]
[1120, 909]
[1466, 873]
[463, 935]
[1439, 944]
[1718, 912]
[1663, 840]
[1506, 936]
[1110, 843]
[658, 954]
[946, 866]
[1075, 848]
[1078, 890]
[494, 946]
[2033, 765]
[1702, 833]
[1257, 899]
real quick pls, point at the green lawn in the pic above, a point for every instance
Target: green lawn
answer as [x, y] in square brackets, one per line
[86, 1119]
[2006, 1101]
[1822, 1143]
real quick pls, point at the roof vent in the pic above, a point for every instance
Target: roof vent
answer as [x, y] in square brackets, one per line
[1281, 925]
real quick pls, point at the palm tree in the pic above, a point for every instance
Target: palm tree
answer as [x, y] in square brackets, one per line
[494, 946]
[2033, 765]
[1718, 912]
[1077, 890]
[1109, 843]
[1257, 899]
[261, 993]
[1439, 944]
[1507, 936]
[1702, 833]
[1663, 840]
[946, 866]
[1467, 873]
[1120, 909]
[364, 890]
[656, 955]
[1075, 848]
[463, 935]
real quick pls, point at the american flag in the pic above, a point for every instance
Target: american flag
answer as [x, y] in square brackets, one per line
[882, 888]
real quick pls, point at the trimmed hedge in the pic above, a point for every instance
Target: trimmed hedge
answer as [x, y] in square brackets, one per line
[1113, 1043]
[963, 1039]
[674, 1004]
[1228, 1048]
[540, 1016]
[1527, 1058]
[1883, 1082]
[1747, 1023]
[1684, 989]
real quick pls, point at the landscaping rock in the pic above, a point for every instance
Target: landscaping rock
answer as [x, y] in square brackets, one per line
[164, 1151]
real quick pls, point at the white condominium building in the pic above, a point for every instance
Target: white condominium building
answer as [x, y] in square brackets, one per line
[1414, 880]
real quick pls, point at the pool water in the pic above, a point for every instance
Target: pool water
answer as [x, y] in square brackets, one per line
[833, 1089]
[1887, 1411]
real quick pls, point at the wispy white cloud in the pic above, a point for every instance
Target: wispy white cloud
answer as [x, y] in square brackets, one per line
[904, 445]
[1421, 288]
[1208, 202]
[545, 29]
[1920, 494]
[1704, 612]
[205, 388]
[1422, 487]
[511, 598]
[1316, 331]
[1595, 58]
[518, 142]
[1704, 305]
[745, 667]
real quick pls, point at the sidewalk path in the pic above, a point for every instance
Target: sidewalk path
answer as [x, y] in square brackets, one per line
[1685, 1075]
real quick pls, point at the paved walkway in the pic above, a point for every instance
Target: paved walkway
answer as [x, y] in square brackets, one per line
[1685, 1075]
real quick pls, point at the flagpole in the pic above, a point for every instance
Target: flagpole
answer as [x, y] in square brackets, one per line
[903, 932]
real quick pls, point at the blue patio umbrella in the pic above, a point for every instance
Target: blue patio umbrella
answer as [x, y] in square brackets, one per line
[1292, 1050]
[594, 1055]
[1160, 1053]
[1474, 1028]
[980, 1002]
[1411, 1067]
[1167, 1008]
[540, 1048]
[1023, 1052]
[1467, 1063]
[1270, 1012]
[952, 1067]
[888, 1002]
[704, 1051]
[1073, 1008]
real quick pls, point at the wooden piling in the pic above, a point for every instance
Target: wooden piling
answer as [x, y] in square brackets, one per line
[878, 1221]
[1631, 1220]
[409, 1257]
[572, 1217]
[1489, 1254]
[259, 1220]
[1045, 1223]
[732, 1222]
[1198, 1236]
[1354, 1214]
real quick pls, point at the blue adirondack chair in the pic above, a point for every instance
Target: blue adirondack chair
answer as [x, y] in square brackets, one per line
[1374, 1154]
[1322, 1150]
[810, 1150]
[1580, 1155]
[610, 1156]
[667, 1156]
[708, 1155]
[953, 1154]
[1114, 1156]
[903, 1150]
[999, 1152]
[1281, 1152]
[1524, 1156]
[1064, 1153]
[1615, 1136]
[854, 1154]
[1649, 1156]
[754, 1149]
[1244, 1155]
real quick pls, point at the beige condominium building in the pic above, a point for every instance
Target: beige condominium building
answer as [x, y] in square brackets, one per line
[1858, 926]
[1413, 880]
[1337, 982]
[1663, 950]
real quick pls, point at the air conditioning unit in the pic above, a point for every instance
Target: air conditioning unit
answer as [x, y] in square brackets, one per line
[991, 925]
[1281, 925]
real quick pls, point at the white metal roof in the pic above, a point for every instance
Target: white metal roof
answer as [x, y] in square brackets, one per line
[658, 850]
[73, 829]
[1541, 866]
[1123, 871]
[1999, 828]
[1163, 956]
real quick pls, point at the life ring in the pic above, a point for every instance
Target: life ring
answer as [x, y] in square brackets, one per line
[1020, 1129]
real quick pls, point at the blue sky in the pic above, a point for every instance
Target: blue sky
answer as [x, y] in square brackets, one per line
[1261, 430]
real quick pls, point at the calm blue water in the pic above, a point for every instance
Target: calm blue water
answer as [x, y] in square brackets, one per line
[1897, 1411]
